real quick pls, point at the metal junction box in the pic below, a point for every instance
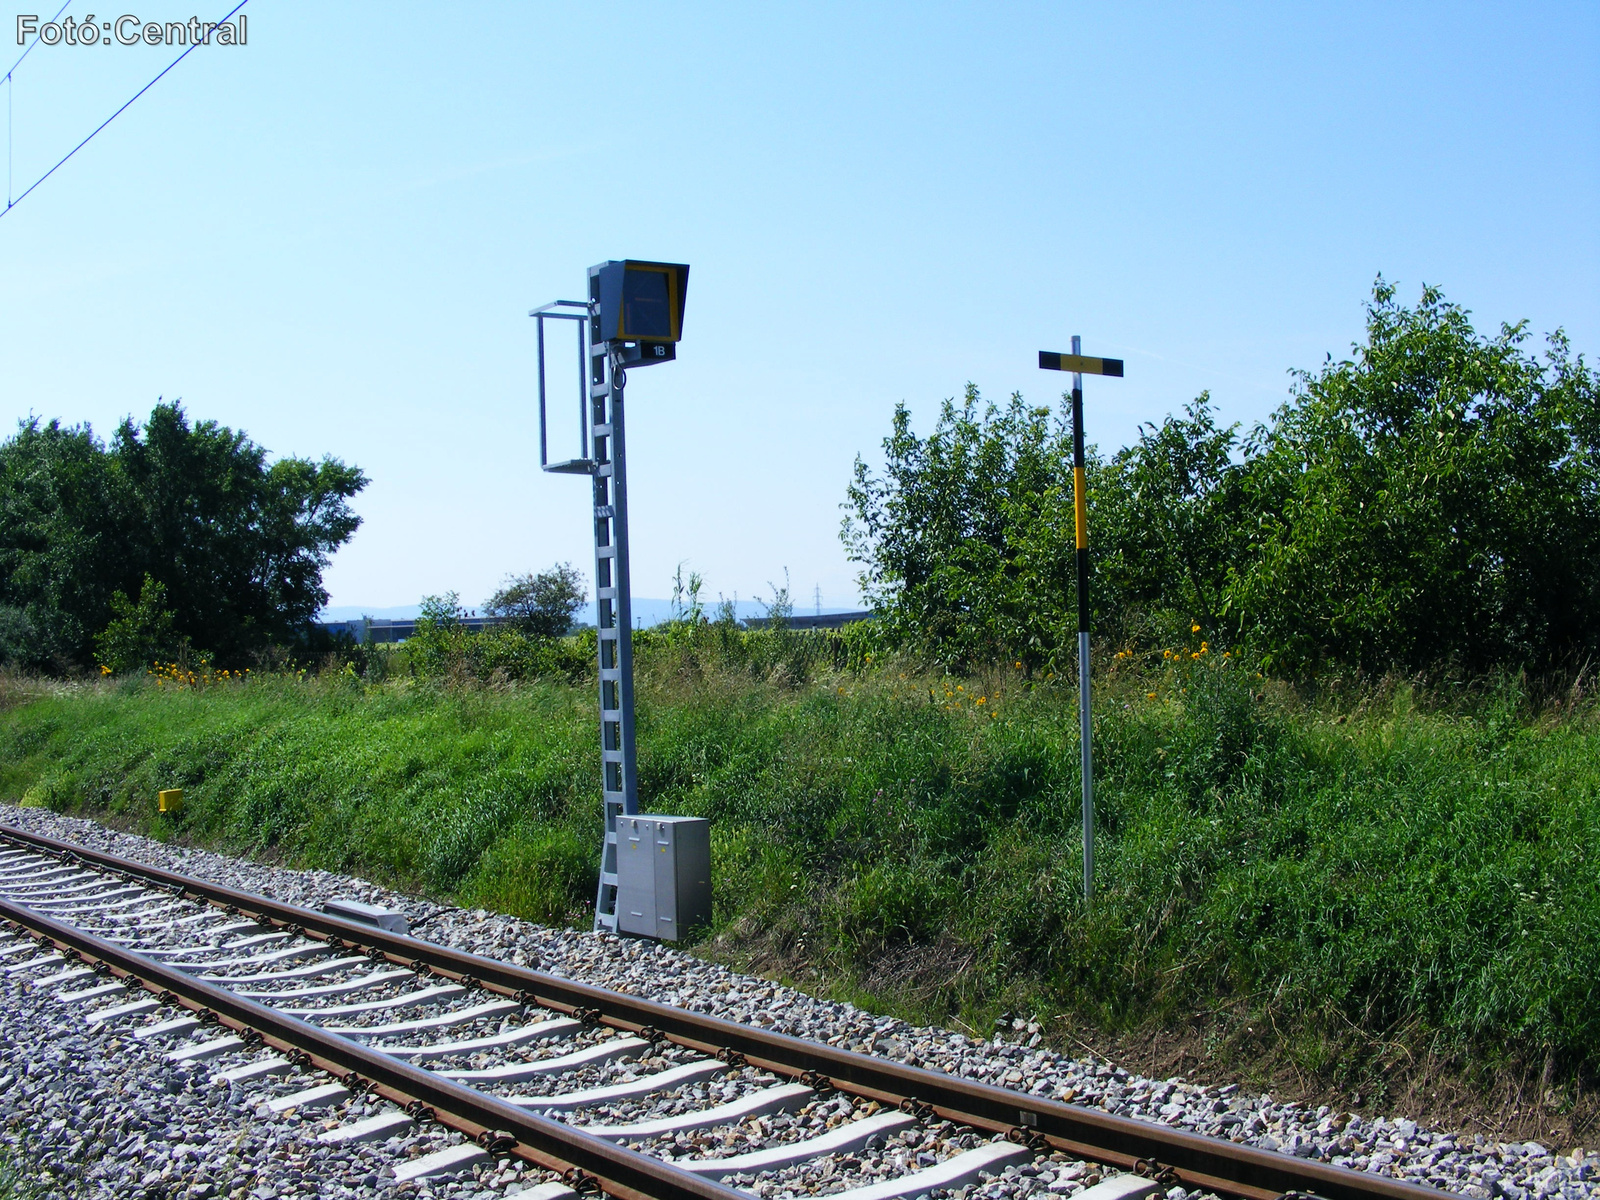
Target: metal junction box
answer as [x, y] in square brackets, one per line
[663, 875]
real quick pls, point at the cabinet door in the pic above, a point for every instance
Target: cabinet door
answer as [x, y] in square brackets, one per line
[636, 876]
[666, 856]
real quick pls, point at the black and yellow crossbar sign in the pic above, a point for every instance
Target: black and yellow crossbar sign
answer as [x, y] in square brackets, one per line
[1079, 363]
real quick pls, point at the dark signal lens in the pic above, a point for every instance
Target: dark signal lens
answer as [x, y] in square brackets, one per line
[646, 309]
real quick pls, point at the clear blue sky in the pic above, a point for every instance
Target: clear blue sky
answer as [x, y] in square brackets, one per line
[331, 237]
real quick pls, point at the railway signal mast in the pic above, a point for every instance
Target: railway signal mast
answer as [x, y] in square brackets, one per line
[1081, 366]
[632, 318]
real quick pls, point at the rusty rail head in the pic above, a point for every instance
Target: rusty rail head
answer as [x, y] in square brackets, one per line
[510, 1129]
[1198, 1162]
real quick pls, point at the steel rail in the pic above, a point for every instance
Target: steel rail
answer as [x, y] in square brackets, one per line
[491, 1122]
[1192, 1159]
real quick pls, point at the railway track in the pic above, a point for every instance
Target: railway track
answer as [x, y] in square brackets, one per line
[314, 1010]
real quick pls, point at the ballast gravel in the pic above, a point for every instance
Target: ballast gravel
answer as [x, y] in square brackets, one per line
[104, 1117]
[91, 1111]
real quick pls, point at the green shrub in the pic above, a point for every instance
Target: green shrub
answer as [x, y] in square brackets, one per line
[442, 648]
[1433, 500]
[542, 605]
[1431, 504]
[1425, 872]
[140, 633]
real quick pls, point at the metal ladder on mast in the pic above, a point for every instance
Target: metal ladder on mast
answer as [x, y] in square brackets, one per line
[613, 613]
[601, 415]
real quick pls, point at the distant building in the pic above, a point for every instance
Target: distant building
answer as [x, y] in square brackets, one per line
[823, 621]
[379, 630]
[382, 629]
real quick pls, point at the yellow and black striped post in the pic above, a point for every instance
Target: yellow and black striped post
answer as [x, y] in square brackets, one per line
[1081, 366]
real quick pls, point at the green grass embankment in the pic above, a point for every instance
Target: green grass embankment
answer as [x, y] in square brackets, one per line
[1424, 878]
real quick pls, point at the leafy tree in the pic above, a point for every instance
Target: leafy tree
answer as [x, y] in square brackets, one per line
[441, 613]
[542, 605]
[956, 539]
[439, 638]
[1433, 500]
[66, 534]
[1166, 520]
[238, 544]
[967, 541]
[140, 632]
[18, 638]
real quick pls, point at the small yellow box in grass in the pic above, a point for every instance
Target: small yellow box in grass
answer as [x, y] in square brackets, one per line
[169, 800]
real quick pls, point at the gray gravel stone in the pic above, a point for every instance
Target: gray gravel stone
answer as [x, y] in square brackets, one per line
[284, 1164]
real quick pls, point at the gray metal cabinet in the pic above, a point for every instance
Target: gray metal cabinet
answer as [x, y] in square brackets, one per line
[663, 875]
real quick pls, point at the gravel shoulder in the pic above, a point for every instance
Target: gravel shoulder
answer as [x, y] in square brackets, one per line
[91, 1110]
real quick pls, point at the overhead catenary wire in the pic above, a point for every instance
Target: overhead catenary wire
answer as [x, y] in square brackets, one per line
[35, 41]
[11, 86]
[10, 203]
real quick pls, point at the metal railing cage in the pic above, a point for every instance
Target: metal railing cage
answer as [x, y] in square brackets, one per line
[558, 310]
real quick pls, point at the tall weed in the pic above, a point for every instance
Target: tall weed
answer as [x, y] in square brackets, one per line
[1397, 863]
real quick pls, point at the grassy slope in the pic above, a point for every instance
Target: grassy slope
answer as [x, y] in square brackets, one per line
[1422, 878]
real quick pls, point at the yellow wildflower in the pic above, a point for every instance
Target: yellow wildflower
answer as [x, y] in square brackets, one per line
[1194, 629]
